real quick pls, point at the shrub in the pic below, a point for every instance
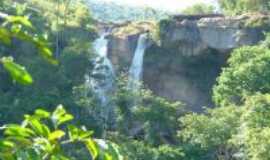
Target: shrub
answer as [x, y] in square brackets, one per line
[234, 7]
[247, 73]
[44, 135]
[199, 8]
[254, 135]
[210, 133]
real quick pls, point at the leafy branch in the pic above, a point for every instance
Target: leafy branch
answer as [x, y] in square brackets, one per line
[21, 28]
[40, 137]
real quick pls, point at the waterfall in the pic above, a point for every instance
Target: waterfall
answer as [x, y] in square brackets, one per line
[103, 72]
[101, 81]
[136, 68]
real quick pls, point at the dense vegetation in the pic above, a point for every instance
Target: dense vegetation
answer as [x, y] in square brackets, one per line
[45, 53]
[199, 8]
[234, 7]
[114, 12]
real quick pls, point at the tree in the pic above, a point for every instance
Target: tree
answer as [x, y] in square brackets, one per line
[145, 115]
[21, 28]
[199, 8]
[158, 117]
[209, 135]
[234, 7]
[247, 73]
[138, 150]
[52, 84]
[41, 137]
[254, 134]
[38, 137]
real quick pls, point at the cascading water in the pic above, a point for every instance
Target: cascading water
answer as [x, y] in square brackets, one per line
[101, 81]
[136, 69]
[134, 78]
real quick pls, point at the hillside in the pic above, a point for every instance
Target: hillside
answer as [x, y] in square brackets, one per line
[114, 12]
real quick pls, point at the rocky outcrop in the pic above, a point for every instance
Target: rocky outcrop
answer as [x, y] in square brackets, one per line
[177, 77]
[192, 35]
[123, 41]
[191, 53]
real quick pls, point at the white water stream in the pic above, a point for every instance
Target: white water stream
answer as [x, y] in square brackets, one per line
[101, 82]
[136, 68]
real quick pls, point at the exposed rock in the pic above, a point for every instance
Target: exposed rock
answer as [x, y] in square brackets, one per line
[195, 17]
[177, 77]
[123, 41]
[192, 51]
[192, 36]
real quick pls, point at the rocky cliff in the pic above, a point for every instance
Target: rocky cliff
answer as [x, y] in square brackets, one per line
[192, 35]
[190, 53]
[123, 41]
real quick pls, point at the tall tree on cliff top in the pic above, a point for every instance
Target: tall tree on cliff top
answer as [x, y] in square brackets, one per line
[233, 7]
[199, 8]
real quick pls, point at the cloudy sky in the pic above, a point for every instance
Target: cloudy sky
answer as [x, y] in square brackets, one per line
[164, 4]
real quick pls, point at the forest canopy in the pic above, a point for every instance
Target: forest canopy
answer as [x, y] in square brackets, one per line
[63, 95]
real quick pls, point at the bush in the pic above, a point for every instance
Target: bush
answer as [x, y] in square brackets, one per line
[51, 84]
[138, 150]
[234, 7]
[210, 134]
[247, 73]
[199, 8]
[43, 135]
[254, 135]
[149, 117]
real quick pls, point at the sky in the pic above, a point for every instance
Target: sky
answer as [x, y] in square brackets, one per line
[171, 5]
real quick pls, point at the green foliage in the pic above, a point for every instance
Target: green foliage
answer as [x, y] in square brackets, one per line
[169, 153]
[229, 132]
[159, 118]
[5, 6]
[246, 74]
[114, 12]
[53, 84]
[234, 7]
[148, 123]
[21, 28]
[137, 150]
[18, 27]
[254, 135]
[266, 42]
[41, 137]
[151, 118]
[16, 71]
[210, 133]
[199, 8]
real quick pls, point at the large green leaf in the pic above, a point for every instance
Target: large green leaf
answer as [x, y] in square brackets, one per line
[5, 148]
[108, 150]
[47, 54]
[6, 144]
[43, 48]
[5, 36]
[60, 116]
[17, 72]
[55, 135]
[77, 134]
[39, 113]
[92, 148]
[18, 131]
[39, 128]
[59, 157]
[19, 20]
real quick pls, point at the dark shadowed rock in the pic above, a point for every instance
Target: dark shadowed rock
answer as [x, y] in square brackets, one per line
[194, 35]
[190, 53]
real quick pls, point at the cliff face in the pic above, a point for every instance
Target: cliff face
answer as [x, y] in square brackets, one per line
[123, 42]
[191, 53]
[192, 35]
